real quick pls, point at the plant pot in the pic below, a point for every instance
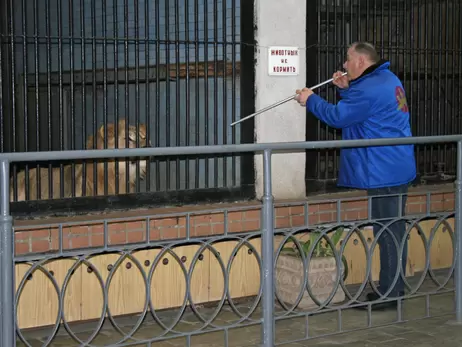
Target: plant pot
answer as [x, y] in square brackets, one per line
[322, 279]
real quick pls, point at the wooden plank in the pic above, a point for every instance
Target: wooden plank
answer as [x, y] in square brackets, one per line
[141, 75]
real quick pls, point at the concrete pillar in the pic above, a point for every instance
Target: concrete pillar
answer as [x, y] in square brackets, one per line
[280, 23]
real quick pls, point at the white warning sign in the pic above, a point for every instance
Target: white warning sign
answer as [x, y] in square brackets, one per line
[283, 61]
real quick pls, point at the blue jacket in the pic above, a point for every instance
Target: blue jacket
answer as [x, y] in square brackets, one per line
[374, 106]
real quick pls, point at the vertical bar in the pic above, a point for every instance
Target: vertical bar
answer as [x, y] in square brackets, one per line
[158, 89]
[137, 91]
[178, 120]
[234, 86]
[168, 101]
[72, 92]
[147, 64]
[187, 90]
[225, 93]
[432, 19]
[206, 90]
[425, 84]
[116, 94]
[61, 94]
[267, 252]
[458, 225]
[6, 261]
[197, 96]
[25, 91]
[215, 90]
[126, 88]
[336, 54]
[419, 47]
[105, 88]
[37, 95]
[326, 49]
[83, 85]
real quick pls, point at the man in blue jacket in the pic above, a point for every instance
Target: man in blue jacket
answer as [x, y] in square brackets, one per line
[373, 105]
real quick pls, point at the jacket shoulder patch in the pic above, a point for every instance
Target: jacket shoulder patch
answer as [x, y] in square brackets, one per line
[401, 99]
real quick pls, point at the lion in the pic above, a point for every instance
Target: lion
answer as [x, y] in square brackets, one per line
[88, 180]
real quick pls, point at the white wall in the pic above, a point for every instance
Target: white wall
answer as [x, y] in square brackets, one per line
[280, 23]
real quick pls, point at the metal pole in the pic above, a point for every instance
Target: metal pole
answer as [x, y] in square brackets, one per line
[267, 252]
[267, 108]
[458, 227]
[6, 260]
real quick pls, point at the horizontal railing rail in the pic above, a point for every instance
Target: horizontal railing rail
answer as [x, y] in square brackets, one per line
[267, 230]
[220, 149]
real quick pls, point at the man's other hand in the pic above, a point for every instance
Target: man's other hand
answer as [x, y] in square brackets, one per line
[339, 80]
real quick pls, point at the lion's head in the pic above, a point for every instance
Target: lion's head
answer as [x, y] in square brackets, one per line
[133, 136]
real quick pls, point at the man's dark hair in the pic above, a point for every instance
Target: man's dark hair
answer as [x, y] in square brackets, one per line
[368, 49]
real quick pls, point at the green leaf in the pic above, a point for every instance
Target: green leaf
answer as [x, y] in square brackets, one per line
[288, 250]
[337, 236]
[306, 247]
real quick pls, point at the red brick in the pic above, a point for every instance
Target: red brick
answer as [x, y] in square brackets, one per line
[154, 234]
[283, 222]
[136, 236]
[217, 218]
[117, 238]
[169, 233]
[97, 239]
[253, 215]
[236, 216]
[202, 230]
[41, 233]
[135, 225]
[327, 207]
[296, 221]
[40, 246]
[297, 210]
[21, 248]
[218, 229]
[250, 225]
[21, 235]
[200, 219]
[79, 242]
[235, 227]
[282, 211]
[354, 204]
[116, 226]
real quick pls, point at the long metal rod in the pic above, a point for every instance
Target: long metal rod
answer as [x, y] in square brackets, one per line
[267, 108]
[267, 252]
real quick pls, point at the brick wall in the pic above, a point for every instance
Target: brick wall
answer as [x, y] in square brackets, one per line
[170, 224]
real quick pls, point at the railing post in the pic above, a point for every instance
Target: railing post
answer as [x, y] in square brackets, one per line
[6, 260]
[267, 252]
[458, 227]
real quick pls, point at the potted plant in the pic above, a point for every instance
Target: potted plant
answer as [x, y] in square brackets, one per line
[322, 274]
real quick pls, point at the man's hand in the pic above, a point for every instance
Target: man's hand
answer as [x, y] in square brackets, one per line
[303, 95]
[339, 80]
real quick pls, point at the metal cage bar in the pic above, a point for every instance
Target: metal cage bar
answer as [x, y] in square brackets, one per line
[170, 69]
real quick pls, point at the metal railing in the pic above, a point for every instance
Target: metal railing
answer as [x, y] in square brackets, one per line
[269, 315]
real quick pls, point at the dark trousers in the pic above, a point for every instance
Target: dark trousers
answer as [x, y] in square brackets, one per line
[388, 208]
